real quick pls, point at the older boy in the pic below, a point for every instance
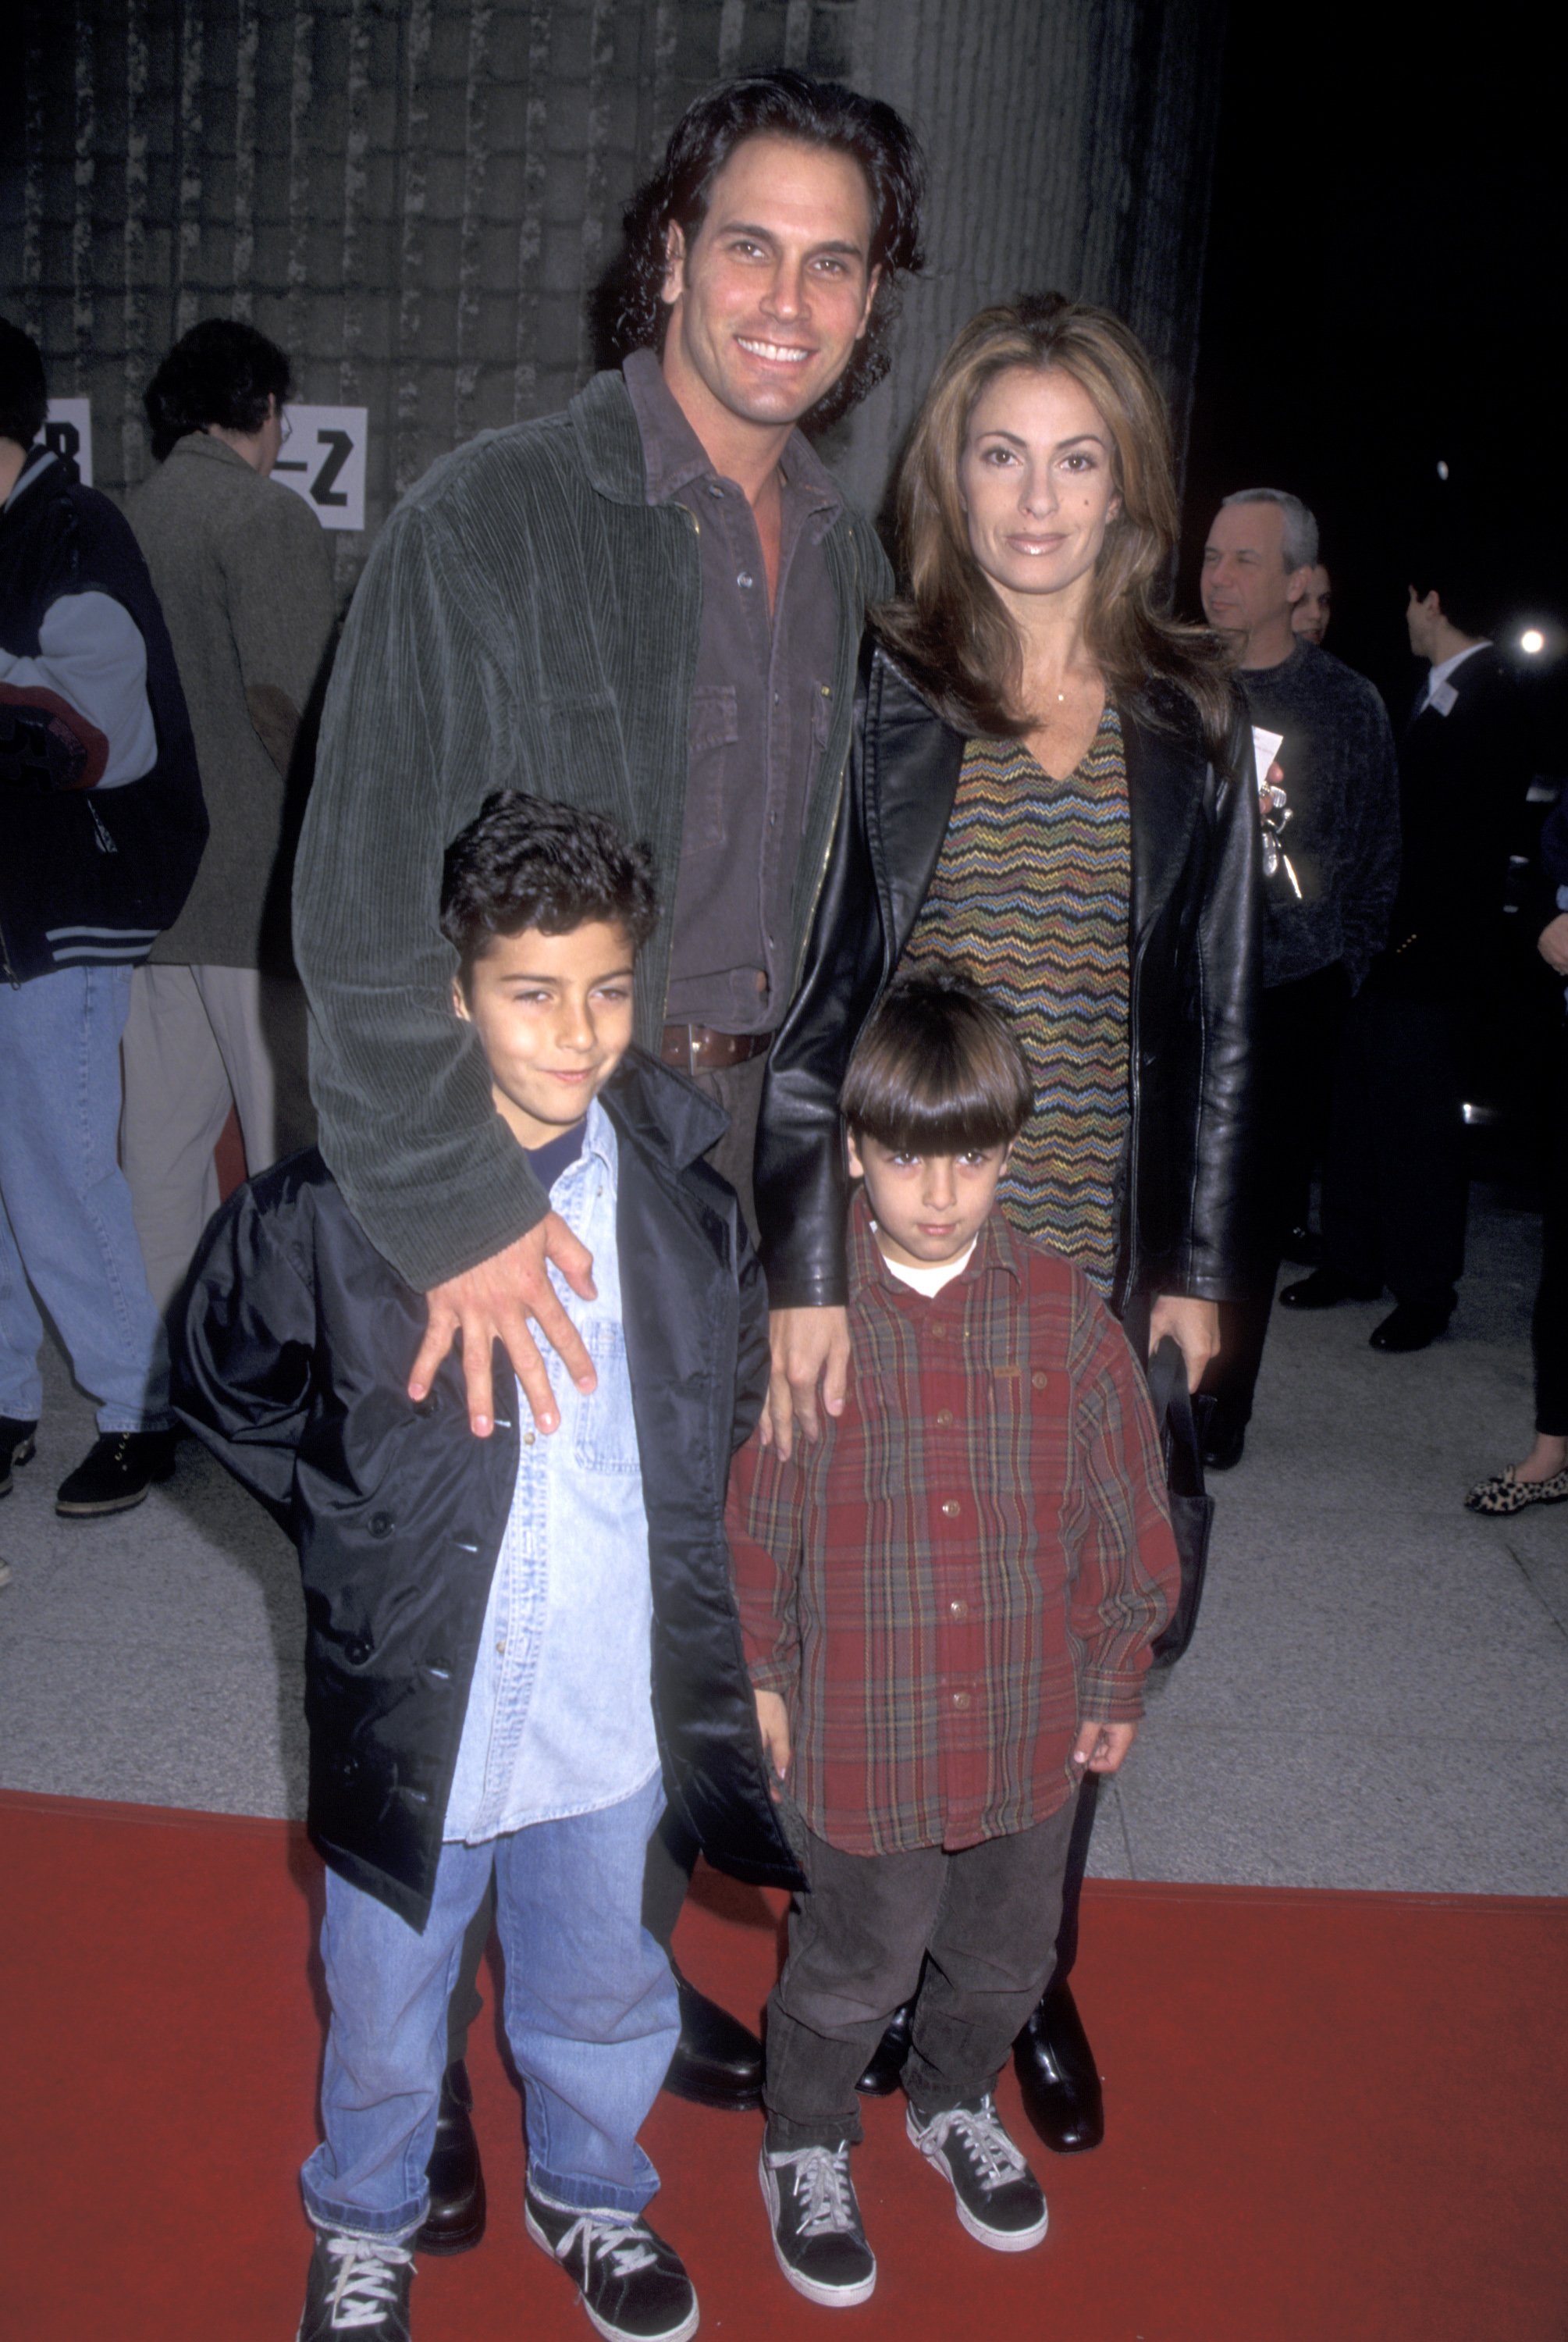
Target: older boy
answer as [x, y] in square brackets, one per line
[947, 1606]
[510, 1639]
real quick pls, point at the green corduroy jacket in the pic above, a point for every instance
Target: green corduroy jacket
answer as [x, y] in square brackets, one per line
[525, 621]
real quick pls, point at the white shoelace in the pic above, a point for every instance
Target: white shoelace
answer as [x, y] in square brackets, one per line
[625, 2248]
[366, 2286]
[821, 2180]
[995, 2159]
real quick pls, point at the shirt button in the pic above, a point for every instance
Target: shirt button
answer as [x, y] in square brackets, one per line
[527, 1439]
[958, 1609]
[381, 1525]
[714, 489]
[951, 1508]
[944, 1416]
[1039, 1379]
[961, 1699]
[743, 578]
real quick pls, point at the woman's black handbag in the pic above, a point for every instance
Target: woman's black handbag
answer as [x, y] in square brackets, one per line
[1191, 1507]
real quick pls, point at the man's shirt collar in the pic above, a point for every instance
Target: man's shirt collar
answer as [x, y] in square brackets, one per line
[674, 457]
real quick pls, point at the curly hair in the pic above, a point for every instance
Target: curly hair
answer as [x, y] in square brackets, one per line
[950, 629]
[528, 862]
[782, 103]
[221, 372]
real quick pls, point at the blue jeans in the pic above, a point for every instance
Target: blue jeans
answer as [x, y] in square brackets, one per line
[66, 1233]
[591, 2015]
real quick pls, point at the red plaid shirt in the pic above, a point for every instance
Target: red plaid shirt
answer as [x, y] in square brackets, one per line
[975, 1556]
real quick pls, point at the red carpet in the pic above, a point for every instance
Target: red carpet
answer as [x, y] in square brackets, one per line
[1332, 2118]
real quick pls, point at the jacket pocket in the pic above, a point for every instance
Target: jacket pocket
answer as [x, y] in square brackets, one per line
[607, 1434]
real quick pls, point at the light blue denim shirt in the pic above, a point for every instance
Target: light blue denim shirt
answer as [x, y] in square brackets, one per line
[560, 1716]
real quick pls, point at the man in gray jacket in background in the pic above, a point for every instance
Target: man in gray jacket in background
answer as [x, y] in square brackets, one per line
[649, 605]
[243, 572]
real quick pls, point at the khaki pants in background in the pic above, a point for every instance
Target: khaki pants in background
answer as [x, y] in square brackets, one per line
[198, 1040]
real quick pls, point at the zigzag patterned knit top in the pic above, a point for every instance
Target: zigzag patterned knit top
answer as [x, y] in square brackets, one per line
[1030, 897]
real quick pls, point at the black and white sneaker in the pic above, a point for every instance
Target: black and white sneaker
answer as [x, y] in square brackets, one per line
[357, 2285]
[818, 2240]
[635, 2286]
[1000, 2201]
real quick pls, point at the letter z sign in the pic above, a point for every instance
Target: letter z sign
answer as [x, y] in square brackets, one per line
[323, 460]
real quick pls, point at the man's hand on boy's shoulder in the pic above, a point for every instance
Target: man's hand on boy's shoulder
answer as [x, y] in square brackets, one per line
[1101, 1747]
[492, 1302]
[808, 1346]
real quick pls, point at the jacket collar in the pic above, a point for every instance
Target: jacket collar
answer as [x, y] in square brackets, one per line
[39, 458]
[661, 1111]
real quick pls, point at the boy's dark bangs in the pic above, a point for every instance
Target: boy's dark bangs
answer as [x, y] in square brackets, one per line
[943, 1102]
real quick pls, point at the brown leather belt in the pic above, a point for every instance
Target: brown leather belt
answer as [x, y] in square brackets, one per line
[698, 1049]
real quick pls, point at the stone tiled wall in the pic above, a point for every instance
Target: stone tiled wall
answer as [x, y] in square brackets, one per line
[417, 196]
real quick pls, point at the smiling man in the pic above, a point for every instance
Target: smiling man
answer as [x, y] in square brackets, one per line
[648, 606]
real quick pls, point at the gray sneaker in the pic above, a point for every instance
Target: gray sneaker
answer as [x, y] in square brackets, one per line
[1000, 2201]
[357, 2285]
[818, 2240]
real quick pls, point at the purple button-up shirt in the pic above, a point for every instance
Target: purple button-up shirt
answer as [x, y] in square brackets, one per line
[759, 722]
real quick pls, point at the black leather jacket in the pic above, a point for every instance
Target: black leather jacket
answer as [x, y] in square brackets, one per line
[297, 1341]
[1195, 936]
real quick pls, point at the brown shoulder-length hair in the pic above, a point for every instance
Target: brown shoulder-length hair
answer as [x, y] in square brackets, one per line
[949, 630]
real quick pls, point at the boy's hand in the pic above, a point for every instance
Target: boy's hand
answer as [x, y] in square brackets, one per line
[772, 1723]
[1101, 1748]
[1195, 1327]
[492, 1302]
[807, 1344]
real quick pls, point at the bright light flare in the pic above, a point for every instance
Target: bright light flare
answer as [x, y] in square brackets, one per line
[1532, 642]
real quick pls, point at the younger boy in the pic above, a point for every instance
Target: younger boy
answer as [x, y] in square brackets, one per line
[947, 1604]
[510, 1639]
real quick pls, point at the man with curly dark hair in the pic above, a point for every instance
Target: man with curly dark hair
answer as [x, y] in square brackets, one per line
[648, 606]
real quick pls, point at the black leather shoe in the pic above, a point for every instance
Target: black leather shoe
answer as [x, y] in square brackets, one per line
[455, 2220]
[1223, 1442]
[717, 2061]
[1411, 1326]
[885, 2064]
[1325, 1288]
[1059, 2077]
[1303, 1246]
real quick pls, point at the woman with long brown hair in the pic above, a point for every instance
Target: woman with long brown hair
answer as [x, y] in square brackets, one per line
[1051, 787]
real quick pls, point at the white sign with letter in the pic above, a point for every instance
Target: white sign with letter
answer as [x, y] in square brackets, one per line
[68, 429]
[323, 460]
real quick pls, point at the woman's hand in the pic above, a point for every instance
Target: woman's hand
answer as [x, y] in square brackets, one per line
[772, 1723]
[807, 1344]
[1193, 1326]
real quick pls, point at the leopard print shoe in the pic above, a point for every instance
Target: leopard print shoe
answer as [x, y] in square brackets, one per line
[1504, 1494]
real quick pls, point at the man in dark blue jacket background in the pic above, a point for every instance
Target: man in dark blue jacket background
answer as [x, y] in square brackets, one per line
[103, 829]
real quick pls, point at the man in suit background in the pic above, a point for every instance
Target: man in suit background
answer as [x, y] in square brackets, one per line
[1394, 1183]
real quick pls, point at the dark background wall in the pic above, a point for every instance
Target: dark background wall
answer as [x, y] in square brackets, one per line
[1383, 295]
[417, 196]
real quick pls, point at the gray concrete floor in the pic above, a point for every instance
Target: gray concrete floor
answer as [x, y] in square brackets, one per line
[1377, 1694]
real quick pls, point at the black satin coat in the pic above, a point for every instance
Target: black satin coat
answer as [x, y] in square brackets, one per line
[297, 1340]
[1195, 962]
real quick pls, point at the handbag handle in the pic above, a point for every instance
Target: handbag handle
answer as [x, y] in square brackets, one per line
[1174, 1411]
